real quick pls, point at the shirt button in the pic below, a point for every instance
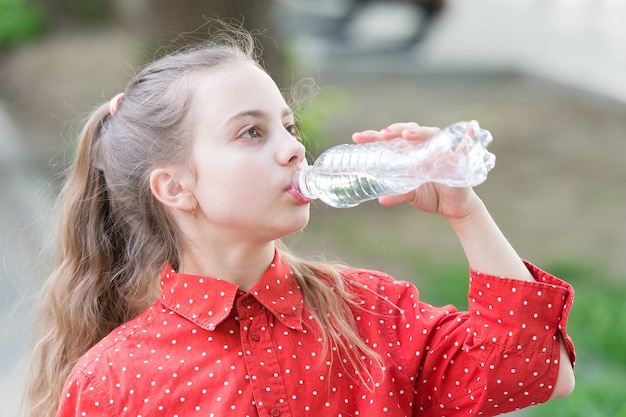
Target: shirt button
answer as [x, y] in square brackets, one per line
[247, 302]
[255, 337]
[275, 412]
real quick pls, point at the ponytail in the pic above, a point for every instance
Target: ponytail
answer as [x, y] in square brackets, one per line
[85, 297]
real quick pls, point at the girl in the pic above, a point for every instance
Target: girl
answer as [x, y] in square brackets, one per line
[171, 295]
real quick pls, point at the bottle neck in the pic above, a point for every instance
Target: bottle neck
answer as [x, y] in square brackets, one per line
[300, 184]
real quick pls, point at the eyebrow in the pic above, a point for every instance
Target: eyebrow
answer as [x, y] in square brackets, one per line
[258, 114]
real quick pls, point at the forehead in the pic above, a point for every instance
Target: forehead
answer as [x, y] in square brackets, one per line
[235, 82]
[222, 94]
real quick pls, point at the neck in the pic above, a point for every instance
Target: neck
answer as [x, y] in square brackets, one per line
[242, 265]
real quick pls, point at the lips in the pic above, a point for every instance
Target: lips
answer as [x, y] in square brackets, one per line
[298, 196]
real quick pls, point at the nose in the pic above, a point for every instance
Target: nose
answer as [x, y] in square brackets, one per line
[291, 152]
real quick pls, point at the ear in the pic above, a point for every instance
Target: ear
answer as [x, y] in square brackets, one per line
[169, 191]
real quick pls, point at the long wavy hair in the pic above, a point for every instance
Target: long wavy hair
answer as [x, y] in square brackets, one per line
[114, 237]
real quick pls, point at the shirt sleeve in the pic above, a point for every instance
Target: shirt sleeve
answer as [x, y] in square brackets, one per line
[501, 355]
[82, 397]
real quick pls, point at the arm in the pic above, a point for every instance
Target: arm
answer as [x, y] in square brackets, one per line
[488, 251]
[486, 248]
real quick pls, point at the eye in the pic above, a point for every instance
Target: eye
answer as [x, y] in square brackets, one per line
[293, 130]
[252, 133]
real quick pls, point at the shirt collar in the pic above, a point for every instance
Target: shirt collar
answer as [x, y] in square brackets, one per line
[207, 301]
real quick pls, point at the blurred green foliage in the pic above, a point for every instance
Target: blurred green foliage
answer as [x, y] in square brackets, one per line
[599, 392]
[20, 20]
[314, 112]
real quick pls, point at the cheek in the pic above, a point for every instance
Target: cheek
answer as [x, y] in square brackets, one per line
[248, 174]
[230, 183]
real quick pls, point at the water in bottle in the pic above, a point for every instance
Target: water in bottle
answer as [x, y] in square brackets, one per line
[347, 175]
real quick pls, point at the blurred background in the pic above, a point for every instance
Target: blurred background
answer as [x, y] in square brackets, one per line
[546, 77]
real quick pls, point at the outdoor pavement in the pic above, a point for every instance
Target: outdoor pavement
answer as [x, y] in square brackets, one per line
[575, 43]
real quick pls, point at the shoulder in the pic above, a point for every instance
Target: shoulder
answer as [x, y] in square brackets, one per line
[377, 281]
[119, 341]
[375, 285]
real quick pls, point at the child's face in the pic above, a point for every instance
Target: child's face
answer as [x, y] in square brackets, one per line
[245, 152]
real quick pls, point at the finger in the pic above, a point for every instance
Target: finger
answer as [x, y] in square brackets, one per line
[421, 133]
[392, 200]
[395, 130]
[409, 131]
[366, 136]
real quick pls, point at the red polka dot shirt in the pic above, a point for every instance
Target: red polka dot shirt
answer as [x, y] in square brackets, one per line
[205, 348]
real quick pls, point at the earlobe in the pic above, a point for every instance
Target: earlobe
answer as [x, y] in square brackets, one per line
[169, 191]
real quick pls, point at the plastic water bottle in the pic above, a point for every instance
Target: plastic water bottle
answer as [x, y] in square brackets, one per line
[347, 175]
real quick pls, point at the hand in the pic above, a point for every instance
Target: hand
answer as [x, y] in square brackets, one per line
[452, 202]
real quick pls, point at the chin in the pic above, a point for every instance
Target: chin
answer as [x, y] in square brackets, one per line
[298, 226]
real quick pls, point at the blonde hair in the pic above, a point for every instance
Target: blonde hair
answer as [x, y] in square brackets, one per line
[114, 237]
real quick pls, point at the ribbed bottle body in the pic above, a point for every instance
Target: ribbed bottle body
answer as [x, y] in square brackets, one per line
[347, 175]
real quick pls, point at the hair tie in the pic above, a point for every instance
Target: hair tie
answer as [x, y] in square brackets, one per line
[114, 103]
